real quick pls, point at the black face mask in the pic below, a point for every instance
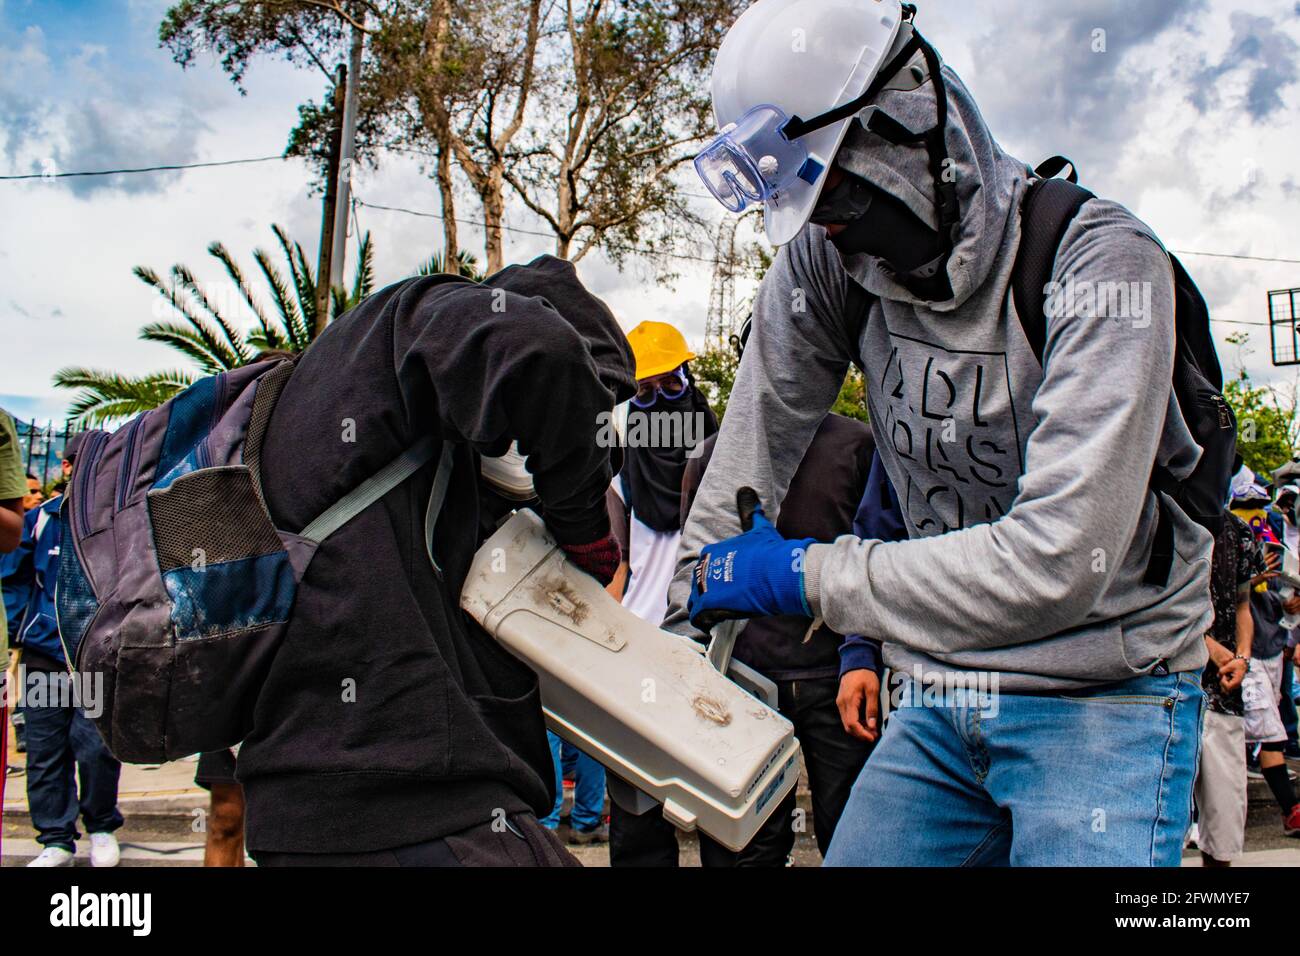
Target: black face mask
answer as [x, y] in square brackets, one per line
[652, 477]
[877, 224]
[887, 229]
[684, 402]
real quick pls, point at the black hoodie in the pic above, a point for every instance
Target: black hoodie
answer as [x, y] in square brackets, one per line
[389, 717]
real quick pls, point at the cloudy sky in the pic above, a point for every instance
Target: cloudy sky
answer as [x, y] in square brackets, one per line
[1190, 116]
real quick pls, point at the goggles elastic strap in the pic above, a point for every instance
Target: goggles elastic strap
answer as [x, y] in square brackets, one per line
[797, 127]
[937, 146]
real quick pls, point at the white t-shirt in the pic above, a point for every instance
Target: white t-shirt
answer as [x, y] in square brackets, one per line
[651, 562]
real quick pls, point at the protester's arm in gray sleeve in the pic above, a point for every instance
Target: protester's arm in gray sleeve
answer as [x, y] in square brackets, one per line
[799, 351]
[1041, 568]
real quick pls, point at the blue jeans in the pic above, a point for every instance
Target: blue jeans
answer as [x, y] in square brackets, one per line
[588, 789]
[60, 742]
[1098, 777]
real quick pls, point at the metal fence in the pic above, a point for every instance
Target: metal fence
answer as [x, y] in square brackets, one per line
[42, 448]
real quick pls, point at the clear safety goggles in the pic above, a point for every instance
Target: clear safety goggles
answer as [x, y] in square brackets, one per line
[751, 160]
[669, 388]
[763, 152]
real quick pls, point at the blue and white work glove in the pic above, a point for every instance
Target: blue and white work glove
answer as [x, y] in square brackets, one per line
[756, 574]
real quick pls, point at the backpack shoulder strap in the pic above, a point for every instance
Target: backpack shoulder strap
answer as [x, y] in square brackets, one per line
[381, 483]
[363, 495]
[269, 387]
[1054, 166]
[857, 304]
[1192, 320]
[437, 496]
[1048, 208]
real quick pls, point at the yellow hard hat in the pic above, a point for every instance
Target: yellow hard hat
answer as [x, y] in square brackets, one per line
[658, 348]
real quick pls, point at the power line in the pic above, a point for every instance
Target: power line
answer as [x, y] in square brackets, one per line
[430, 154]
[169, 167]
[679, 255]
[146, 169]
[1224, 255]
[532, 232]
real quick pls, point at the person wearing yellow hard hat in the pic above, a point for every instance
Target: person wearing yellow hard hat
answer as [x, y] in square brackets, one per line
[667, 417]
[659, 349]
[651, 478]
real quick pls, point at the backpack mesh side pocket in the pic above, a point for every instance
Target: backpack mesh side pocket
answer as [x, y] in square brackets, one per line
[230, 589]
[222, 562]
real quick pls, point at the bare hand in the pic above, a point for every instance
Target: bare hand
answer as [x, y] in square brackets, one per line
[1232, 674]
[1292, 605]
[859, 704]
[1273, 563]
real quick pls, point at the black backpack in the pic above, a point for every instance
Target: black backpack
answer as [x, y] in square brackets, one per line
[1047, 211]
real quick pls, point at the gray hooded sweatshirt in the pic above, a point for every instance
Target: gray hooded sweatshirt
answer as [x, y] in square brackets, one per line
[1025, 490]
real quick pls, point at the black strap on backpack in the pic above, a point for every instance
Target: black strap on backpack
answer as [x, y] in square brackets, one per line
[1048, 208]
[1053, 167]
[1046, 212]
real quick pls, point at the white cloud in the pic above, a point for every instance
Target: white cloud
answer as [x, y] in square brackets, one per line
[1131, 116]
[24, 68]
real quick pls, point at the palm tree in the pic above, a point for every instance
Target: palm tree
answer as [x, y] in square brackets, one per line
[466, 265]
[210, 339]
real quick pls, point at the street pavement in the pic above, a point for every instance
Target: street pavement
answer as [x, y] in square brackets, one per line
[165, 815]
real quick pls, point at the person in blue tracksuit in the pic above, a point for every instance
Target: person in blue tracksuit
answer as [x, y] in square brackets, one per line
[60, 738]
[17, 578]
[17, 588]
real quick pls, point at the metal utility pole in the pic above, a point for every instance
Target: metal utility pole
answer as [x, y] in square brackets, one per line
[326, 250]
[346, 155]
[720, 322]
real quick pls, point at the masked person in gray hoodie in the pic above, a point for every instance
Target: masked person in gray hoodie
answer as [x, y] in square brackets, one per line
[1047, 703]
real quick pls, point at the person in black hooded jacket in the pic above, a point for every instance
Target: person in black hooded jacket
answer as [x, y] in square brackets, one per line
[391, 729]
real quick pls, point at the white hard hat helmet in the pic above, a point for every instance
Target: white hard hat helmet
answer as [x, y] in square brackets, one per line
[782, 60]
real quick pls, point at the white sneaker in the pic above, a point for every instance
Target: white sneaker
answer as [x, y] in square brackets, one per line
[53, 856]
[104, 850]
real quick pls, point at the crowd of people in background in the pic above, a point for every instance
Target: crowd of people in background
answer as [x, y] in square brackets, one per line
[70, 773]
[1249, 681]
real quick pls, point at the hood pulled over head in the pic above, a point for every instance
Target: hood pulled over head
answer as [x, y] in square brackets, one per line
[989, 184]
[555, 281]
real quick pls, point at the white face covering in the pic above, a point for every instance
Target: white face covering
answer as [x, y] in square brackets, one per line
[508, 474]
